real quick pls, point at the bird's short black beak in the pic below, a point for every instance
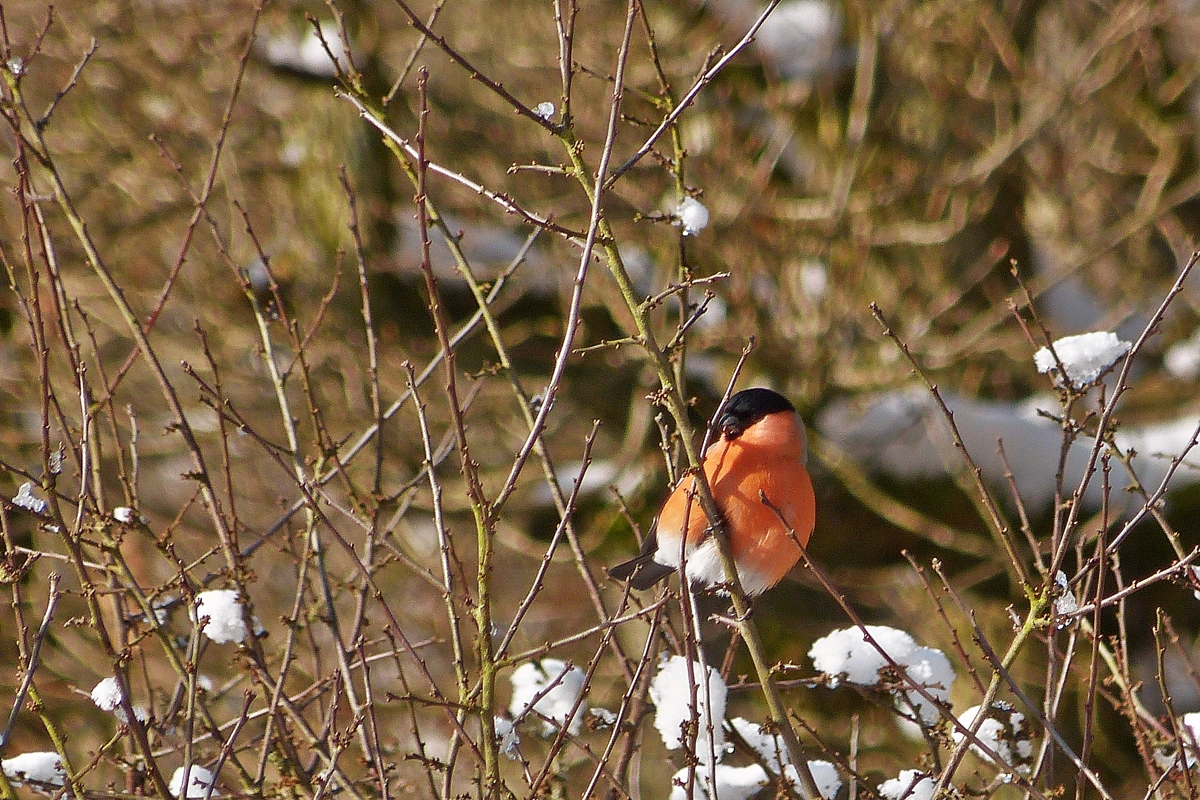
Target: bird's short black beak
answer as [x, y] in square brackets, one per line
[730, 426]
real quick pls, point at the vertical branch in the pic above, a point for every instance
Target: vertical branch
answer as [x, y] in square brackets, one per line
[671, 394]
[564, 22]
[480, 507]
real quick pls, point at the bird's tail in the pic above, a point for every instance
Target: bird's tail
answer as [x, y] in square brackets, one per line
[641, 572]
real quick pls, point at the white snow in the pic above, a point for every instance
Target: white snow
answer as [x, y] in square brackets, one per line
[141, 712]
[223, 611]
[44, 768]
[531, 679]
[829, 783]
[27, 499]
[671, 693]
[903, 433]
[814, 279]
[768, 746]
[163, 607]
[604, 717]
[106, 694]
[1004, 732]
[1084, 357]
[848, 655]
[199, 780]
[1191, 725]
[506, 733]
[692, 216]
[304, 53]
[1189, 735]
[733, 783]
[714, 316]
[771, 750]
[1065, 603]
[1182, 359]
[800, 36]
[930, 669]
[910, 785]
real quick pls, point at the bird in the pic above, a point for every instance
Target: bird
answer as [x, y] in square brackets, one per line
[756, 470]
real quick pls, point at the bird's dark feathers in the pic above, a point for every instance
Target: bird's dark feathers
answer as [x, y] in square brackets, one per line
[747, 407]
[642, 572]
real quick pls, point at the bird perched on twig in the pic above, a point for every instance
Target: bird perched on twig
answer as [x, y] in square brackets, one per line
[756, 470]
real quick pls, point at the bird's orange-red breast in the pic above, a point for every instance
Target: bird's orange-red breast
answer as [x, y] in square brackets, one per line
[757, 475]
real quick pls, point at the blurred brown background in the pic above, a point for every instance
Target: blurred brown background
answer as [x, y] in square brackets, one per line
[906, 154]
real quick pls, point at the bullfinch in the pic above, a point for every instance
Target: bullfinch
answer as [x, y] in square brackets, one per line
[757, 475]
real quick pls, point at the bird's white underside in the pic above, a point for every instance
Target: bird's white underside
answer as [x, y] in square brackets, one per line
[704, 566]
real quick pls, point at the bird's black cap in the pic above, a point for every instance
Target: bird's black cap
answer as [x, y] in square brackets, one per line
[747, 407]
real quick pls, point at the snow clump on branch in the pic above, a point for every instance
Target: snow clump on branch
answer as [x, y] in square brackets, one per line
[771, 750]
[909, 785]
[220, 612]
[692, 216]
[671, 692]
[1084, 357]
[854, 655]
[1004, 732]
[42, 768]
[199, 781]
[550, 688]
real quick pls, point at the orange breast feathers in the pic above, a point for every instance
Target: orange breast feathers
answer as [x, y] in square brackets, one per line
[765, 461]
